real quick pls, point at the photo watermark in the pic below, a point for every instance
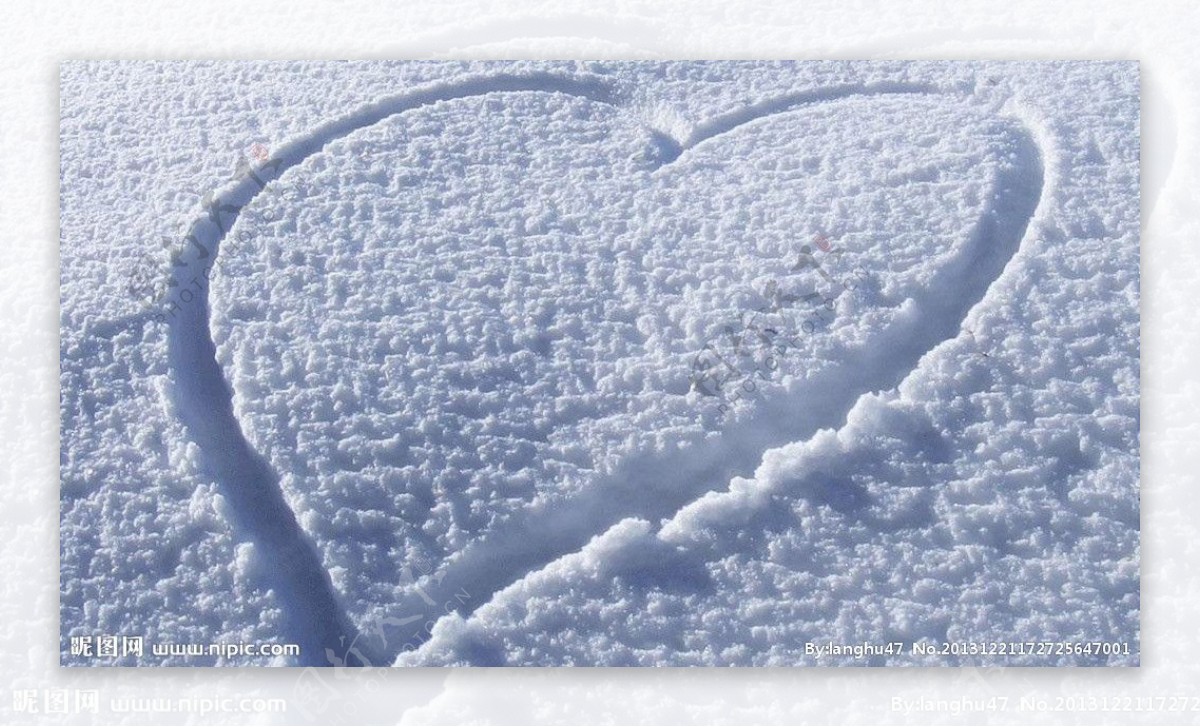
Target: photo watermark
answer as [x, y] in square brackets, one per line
[160, 275]
[314, 692]
[749, 349]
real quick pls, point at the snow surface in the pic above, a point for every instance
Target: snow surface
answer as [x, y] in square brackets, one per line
[446, 384]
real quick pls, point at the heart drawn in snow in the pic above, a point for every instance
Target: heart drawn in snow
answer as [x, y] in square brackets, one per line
[468, 337]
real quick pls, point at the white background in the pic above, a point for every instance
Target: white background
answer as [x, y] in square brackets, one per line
[1164, 36]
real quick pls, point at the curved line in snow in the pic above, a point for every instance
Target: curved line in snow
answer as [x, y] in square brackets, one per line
[313, 614]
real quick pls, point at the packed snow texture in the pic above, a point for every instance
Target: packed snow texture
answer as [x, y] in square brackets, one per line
[469, 319]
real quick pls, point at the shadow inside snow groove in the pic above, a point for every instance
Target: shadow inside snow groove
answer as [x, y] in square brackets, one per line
[313, 615]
